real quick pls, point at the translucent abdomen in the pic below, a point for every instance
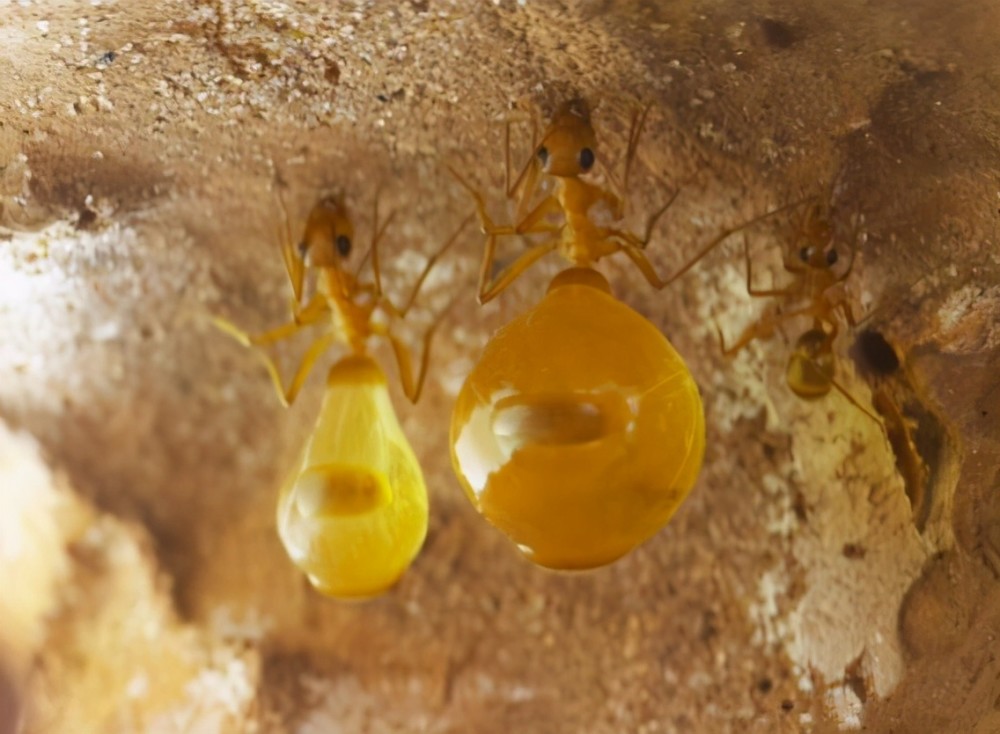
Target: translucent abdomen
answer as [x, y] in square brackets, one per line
[811, 366]
[353, 513]
[580, 431]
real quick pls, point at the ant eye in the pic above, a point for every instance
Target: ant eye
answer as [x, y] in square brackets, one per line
[586, 159]
[343, 246]
[302, 247]
[543, 155]
[805, 253]
[831, 257]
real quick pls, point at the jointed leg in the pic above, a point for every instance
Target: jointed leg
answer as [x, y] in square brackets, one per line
[290, 253]
[831, 335]
[633, 246]
[377, 233]
[431, 261]
[637, 256]
[655, 217]
[282, 332]
[762, 328]
[532, 223]
[529, 176]
[725, 234]
[413, 386]
[313, 312]
[488, 290]
[315, 351]
[635, 131]
[760, 292]
[855, 234]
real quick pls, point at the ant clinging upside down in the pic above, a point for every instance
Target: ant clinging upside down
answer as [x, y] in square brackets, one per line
[353, 513]
[816, 291]
[580, 430]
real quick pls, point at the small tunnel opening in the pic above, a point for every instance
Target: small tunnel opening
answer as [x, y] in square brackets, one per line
[874, 355]
[915, 433]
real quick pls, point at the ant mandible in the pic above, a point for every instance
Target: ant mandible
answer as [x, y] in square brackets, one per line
[352, 514]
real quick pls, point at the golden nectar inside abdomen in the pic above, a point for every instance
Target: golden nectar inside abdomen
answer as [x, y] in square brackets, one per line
[580, 431]
[353, 513]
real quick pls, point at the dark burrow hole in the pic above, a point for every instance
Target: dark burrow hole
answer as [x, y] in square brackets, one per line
[873, 355]
[918, 438]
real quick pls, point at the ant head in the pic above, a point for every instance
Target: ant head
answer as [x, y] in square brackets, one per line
[811, 365]
[329, 234]
[567, 148]
[818, 257]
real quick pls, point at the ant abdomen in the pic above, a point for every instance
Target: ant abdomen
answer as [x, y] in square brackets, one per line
[580, 431]
[811, 365]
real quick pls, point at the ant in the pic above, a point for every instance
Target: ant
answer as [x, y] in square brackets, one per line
[580, 431]
[353, 513]
[815, 291]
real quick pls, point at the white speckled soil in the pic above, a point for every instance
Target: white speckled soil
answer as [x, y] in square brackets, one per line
[806, 585]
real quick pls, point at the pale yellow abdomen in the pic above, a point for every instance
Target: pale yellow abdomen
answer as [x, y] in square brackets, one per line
[353, 513]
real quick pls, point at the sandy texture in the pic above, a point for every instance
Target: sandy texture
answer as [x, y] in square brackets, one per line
[804, 586]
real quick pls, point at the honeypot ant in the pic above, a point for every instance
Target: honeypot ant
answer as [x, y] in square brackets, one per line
[815, 291]
[580, 431]
[353, 513]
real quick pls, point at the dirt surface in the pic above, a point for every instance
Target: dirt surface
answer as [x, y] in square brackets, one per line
[812, 582]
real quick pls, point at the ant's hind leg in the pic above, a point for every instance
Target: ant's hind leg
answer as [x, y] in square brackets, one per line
[313, 312]
[400, 312]
[762, 328]
[488, 290]
[413, 386]
[287, 396]
[315, 351]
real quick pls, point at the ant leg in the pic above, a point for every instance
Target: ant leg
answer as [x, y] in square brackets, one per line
[431, 261]
[315, 351]
[831, 335]
[761, 292]
[725, 234]
[313, 312]
[530, 224]
[377, 233]
[653, 219]
[637, 256]
[412, 387]
[294, 266]
[855, 233]
[527, 178]
[269, 337]
[533, 223]
[763, 327]
[488, 290]
[856, 403]
[635, 131]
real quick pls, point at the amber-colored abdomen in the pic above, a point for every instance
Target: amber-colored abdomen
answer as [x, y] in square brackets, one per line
[580, 431]
[353, 513]
[811, 366]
